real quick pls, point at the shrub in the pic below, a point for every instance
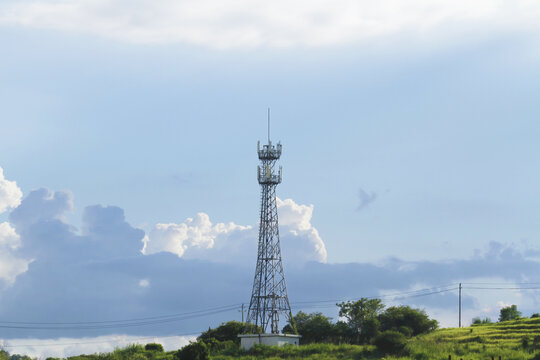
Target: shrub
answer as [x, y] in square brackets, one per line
[153, 347]
[390, 342]
[535, 315]
[229, 331]
[193, 351]
[525, 342]
[479, 321]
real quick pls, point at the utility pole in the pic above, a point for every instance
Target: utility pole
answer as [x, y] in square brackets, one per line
[242, 313]
[459, 304]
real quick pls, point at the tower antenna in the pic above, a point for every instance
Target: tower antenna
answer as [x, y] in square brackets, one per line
[269, 125]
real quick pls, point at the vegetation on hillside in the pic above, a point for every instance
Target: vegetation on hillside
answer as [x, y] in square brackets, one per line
[515, 340]
[365, 320]
[370, 332]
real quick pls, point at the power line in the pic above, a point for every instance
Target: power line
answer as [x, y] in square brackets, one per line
[397, 296]
[501, 288]
[225, 307]
[314, 304]
[114, 326]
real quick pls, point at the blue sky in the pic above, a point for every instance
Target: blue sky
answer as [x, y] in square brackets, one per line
[410, 137]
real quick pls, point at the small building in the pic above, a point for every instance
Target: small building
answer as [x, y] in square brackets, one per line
[248, 340]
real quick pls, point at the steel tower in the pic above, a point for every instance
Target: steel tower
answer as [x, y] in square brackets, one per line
[269, 296]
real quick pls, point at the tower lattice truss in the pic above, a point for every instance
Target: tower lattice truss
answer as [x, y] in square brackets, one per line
[269, 296]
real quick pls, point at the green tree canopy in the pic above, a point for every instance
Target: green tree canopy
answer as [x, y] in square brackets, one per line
[314, 327]
[399, 317]
[362, 317]
[509, 313]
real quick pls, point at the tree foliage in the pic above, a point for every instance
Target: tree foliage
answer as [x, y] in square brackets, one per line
[509, 313]
[314, 327]
[401, 318]
[362, 317]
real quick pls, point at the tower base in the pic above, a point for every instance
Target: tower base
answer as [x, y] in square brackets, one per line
[248, 340]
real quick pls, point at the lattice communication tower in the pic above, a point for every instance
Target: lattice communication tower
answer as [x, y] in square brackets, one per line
[269, 296]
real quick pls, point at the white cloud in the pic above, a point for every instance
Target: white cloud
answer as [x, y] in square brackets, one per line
[64, 347]
[279, 23]
[198, 238]
[144, 283]
[193, 234]
[10, 194]
[298, 233]
[10, 265]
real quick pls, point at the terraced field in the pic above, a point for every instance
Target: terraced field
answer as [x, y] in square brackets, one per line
[519, 339]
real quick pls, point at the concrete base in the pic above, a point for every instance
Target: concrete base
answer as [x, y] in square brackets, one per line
[248, 340]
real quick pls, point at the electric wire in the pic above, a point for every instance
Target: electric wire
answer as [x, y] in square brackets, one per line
[225, 307]
[313, 304]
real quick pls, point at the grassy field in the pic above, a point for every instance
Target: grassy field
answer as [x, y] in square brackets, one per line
[512, 340]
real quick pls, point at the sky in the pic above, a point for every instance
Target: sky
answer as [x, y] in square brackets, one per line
[128, 145]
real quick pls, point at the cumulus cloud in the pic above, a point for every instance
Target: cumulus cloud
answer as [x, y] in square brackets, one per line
[280, 23]
[298, 234]
[199, 238]
[10, 194]
[193, 234]
[42, 205]
[10, 265]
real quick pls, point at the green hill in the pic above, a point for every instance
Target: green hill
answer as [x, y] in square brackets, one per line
[512, 340]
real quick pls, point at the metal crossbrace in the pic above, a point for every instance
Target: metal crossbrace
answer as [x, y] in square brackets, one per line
[269, 295]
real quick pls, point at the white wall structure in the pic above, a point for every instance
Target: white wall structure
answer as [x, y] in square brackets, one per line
[248, 340]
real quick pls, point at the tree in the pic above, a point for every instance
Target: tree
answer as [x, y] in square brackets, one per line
[399, 318]
[362, 318]
[314, 327]
[509, 313]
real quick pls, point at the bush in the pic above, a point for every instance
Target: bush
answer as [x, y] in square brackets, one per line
[153, 347]
[390, 342]
[479, 321]
[525, 342]
[535, 315]
[229, 331]
[193, 351]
